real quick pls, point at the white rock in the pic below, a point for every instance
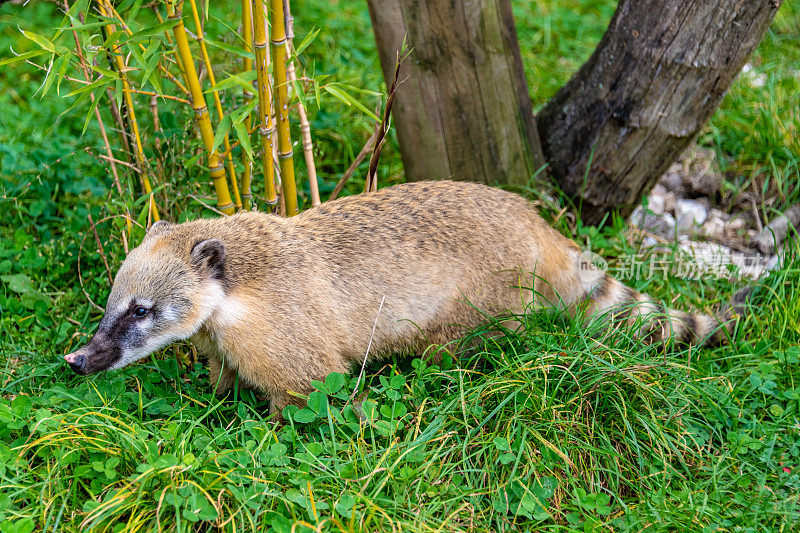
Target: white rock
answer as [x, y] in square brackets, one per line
[655, 203]
[649, 242]
[661, 225]
[713, 228]
[749, 265]
[669, 202]
[734, 225]
[659, 189]
[661, 200]
[703, 260]
[672, 180]
[689, 213]
[716, 213]
[773, 262]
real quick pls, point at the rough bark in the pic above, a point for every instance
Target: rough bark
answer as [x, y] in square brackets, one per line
[462, 110]
[656, 77]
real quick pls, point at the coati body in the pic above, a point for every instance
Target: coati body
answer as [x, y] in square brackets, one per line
[283, 301]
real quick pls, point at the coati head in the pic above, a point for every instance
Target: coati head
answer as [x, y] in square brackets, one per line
[164, 291]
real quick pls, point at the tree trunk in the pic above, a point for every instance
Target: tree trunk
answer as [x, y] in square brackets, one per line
[656, 77]
[462, 109]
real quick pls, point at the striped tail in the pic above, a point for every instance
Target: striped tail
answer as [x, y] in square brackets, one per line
[657, 323]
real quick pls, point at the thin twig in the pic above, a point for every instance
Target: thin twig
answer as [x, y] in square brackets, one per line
[100, 249]
[80, 253]
[201, 202]
[380, 137]
[366, 355]
[353, 166]
[119, 162]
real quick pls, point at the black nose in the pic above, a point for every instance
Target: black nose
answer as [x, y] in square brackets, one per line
[77, 364]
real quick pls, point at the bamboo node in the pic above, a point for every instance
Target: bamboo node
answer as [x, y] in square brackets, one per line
[200, 111]
[229, 205]
[278, 43]
[286, 155]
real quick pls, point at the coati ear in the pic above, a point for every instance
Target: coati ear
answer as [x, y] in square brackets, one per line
[209, 258]
[158, 227]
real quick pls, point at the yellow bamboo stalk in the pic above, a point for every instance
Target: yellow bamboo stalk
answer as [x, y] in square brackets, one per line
[247, 66]
[169, 40]
[224, 202]
[217, 105]
[305, 127]
[126, 91]
[278, 42]
[264, 101]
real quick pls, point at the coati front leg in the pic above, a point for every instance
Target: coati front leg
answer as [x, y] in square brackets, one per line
[222, 377]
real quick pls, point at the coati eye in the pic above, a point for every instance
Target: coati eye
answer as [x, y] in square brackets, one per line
[140, 311]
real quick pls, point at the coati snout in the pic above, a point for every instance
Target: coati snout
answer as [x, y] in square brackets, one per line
[277, 303]
[159, 295]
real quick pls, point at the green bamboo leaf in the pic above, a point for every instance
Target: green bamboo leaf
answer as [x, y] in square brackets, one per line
[239, 114]
[77, 103]
[104, 72]
[118, 89]
[61, 73]
[137, 56]
[306, 41]
[79, 6]
[244, 138]
[22, 57]
[150, 71]
[43, 42]
[78, 26]
[222, 129]
[316, 93]
[298, 92]
[134, 10]
[349, 100]
[88, 88]
[89, 115]
[150, 31]
[243, 80]
[113, 39]
[360, 90]
[229, 48]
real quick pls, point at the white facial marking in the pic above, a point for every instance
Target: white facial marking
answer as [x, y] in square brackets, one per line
[169, 314]
[123, 306]
[131, 356]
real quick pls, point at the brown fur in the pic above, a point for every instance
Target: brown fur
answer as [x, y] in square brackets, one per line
[301, 295]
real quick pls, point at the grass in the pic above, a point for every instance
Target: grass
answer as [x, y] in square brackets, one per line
[550, 427]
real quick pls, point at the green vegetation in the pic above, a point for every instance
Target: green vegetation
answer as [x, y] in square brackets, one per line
[552, 426]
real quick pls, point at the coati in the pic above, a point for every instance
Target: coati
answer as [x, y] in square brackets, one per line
[284, 301]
